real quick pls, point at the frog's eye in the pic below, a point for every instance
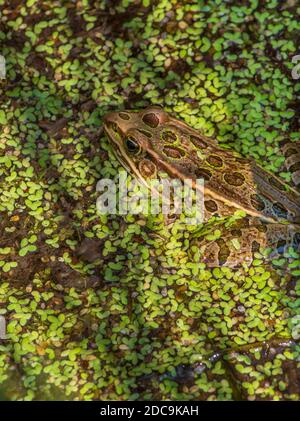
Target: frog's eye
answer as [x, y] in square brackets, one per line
[132, 145]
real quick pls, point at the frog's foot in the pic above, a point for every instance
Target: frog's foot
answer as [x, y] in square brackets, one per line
[291, 151]
[236, 245]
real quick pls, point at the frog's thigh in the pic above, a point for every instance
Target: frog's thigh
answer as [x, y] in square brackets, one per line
[291, 151]
[238, 243]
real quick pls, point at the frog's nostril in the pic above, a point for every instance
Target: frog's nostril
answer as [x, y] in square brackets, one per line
[113, 126]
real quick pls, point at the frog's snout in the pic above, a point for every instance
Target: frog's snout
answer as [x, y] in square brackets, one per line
[110, 118]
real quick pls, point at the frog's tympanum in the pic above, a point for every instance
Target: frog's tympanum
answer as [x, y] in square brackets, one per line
[151, 141]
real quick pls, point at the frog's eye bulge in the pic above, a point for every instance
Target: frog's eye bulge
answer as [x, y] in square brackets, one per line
[151, 119]
[154, 116]
[132, 145]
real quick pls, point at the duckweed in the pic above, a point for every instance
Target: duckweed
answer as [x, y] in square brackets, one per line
[118, 307]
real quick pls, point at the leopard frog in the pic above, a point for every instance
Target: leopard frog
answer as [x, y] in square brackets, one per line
[150, 141]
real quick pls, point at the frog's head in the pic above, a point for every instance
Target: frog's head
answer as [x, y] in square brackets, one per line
[132, 135]
[151, 140]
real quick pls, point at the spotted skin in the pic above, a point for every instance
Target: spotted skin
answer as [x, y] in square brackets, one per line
[151, 141]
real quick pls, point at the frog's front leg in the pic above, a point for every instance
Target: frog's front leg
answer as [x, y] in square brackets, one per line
[235, 245]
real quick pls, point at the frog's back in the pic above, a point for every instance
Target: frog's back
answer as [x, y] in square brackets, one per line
[229, 178]
[245, 184]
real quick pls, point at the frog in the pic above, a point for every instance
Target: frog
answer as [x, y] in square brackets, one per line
[152, 141]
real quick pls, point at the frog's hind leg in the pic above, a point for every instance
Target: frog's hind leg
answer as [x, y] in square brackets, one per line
[291, 151]
[236, 245]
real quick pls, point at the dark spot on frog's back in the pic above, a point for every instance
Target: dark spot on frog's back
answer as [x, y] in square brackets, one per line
[175, 153]
[234, 179]
[151, 120]
[215, 161]
[124, 116]
[168, 136]
[199, 142]
[147, 168]
[211, 206]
